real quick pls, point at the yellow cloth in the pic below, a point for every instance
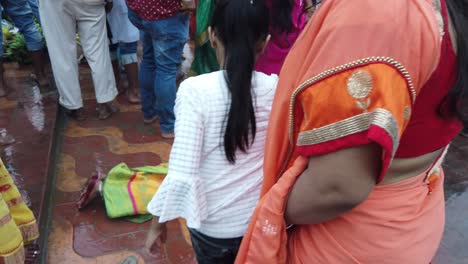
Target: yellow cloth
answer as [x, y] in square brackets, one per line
[17, 223]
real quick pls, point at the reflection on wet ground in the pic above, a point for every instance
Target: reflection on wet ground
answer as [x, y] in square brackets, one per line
[88, 236]
[29, 114]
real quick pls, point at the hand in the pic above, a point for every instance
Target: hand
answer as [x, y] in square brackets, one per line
[188, 6]
[156, 237]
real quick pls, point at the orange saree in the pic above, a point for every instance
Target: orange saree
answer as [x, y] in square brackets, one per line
[351, 79]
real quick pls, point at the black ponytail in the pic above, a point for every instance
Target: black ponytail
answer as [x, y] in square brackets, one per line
[241, 25]
[456, 100]
[281, 15]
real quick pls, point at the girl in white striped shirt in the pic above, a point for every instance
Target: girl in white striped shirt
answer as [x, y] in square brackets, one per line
[215, 167]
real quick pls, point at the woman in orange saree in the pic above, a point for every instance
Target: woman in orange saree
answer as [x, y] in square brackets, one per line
[347, 92]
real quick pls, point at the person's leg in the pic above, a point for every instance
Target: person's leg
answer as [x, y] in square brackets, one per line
[209, 250]
[147, 70]
[35, 9]
[113, 48]
[21, 14]
[93, 33]
[129, 58]
[59, 29]
[169, 38]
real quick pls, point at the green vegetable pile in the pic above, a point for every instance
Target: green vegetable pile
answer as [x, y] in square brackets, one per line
[14, 44]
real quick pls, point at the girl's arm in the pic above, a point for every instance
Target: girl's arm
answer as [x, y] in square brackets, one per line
[334, 184]
[179, 185]
[157, 235]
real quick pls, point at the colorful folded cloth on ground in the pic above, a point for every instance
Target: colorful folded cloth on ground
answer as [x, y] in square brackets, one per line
[127, 191]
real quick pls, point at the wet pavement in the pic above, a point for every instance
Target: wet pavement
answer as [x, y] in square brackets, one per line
[88, 236]
[29, 114]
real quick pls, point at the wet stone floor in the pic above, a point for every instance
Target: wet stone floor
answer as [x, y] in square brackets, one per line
[88, 236]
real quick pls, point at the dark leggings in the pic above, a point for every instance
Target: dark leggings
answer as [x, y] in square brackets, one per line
[209, 250]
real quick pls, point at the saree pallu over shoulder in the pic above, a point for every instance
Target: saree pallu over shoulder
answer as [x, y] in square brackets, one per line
[351, 79]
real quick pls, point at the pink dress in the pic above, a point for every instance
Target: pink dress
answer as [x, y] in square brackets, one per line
[271, 61]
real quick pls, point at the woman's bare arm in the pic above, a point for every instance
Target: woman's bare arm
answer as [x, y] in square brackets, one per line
[334, 184]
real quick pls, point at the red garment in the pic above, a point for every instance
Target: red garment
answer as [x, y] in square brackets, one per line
[154, 9]
[428, 131]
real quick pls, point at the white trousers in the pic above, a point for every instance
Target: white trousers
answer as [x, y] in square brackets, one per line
[60, 20]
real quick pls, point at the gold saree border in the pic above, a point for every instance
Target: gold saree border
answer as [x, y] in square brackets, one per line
[330, 72]
[353, 125]
[440, 19]
[201, 39]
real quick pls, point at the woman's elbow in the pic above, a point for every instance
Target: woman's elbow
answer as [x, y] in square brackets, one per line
[330, 202]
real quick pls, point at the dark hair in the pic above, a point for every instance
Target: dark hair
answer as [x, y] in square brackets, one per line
[457, 97]
[240, 25]
[281, 15]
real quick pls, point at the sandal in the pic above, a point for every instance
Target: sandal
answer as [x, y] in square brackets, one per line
[106, 110]
[132, 97]
[77, 114]
[90, 190]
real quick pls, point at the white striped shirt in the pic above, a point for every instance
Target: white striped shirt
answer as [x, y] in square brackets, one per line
[215, 197]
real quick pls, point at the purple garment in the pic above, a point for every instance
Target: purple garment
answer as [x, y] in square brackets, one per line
[271, 61]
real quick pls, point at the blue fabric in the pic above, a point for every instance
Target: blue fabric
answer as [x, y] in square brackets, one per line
[128, 48]
[35, 9]
[21, 14]
[163, 44]
[126, 51]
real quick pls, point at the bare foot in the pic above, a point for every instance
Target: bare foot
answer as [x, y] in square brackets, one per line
[6, 138]
[133, 97]
[106, 110]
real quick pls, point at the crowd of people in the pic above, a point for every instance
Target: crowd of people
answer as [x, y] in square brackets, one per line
[310, 131]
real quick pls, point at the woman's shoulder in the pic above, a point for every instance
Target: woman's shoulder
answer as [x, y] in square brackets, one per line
[200, 86]
[203, 83]
[265, 82]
